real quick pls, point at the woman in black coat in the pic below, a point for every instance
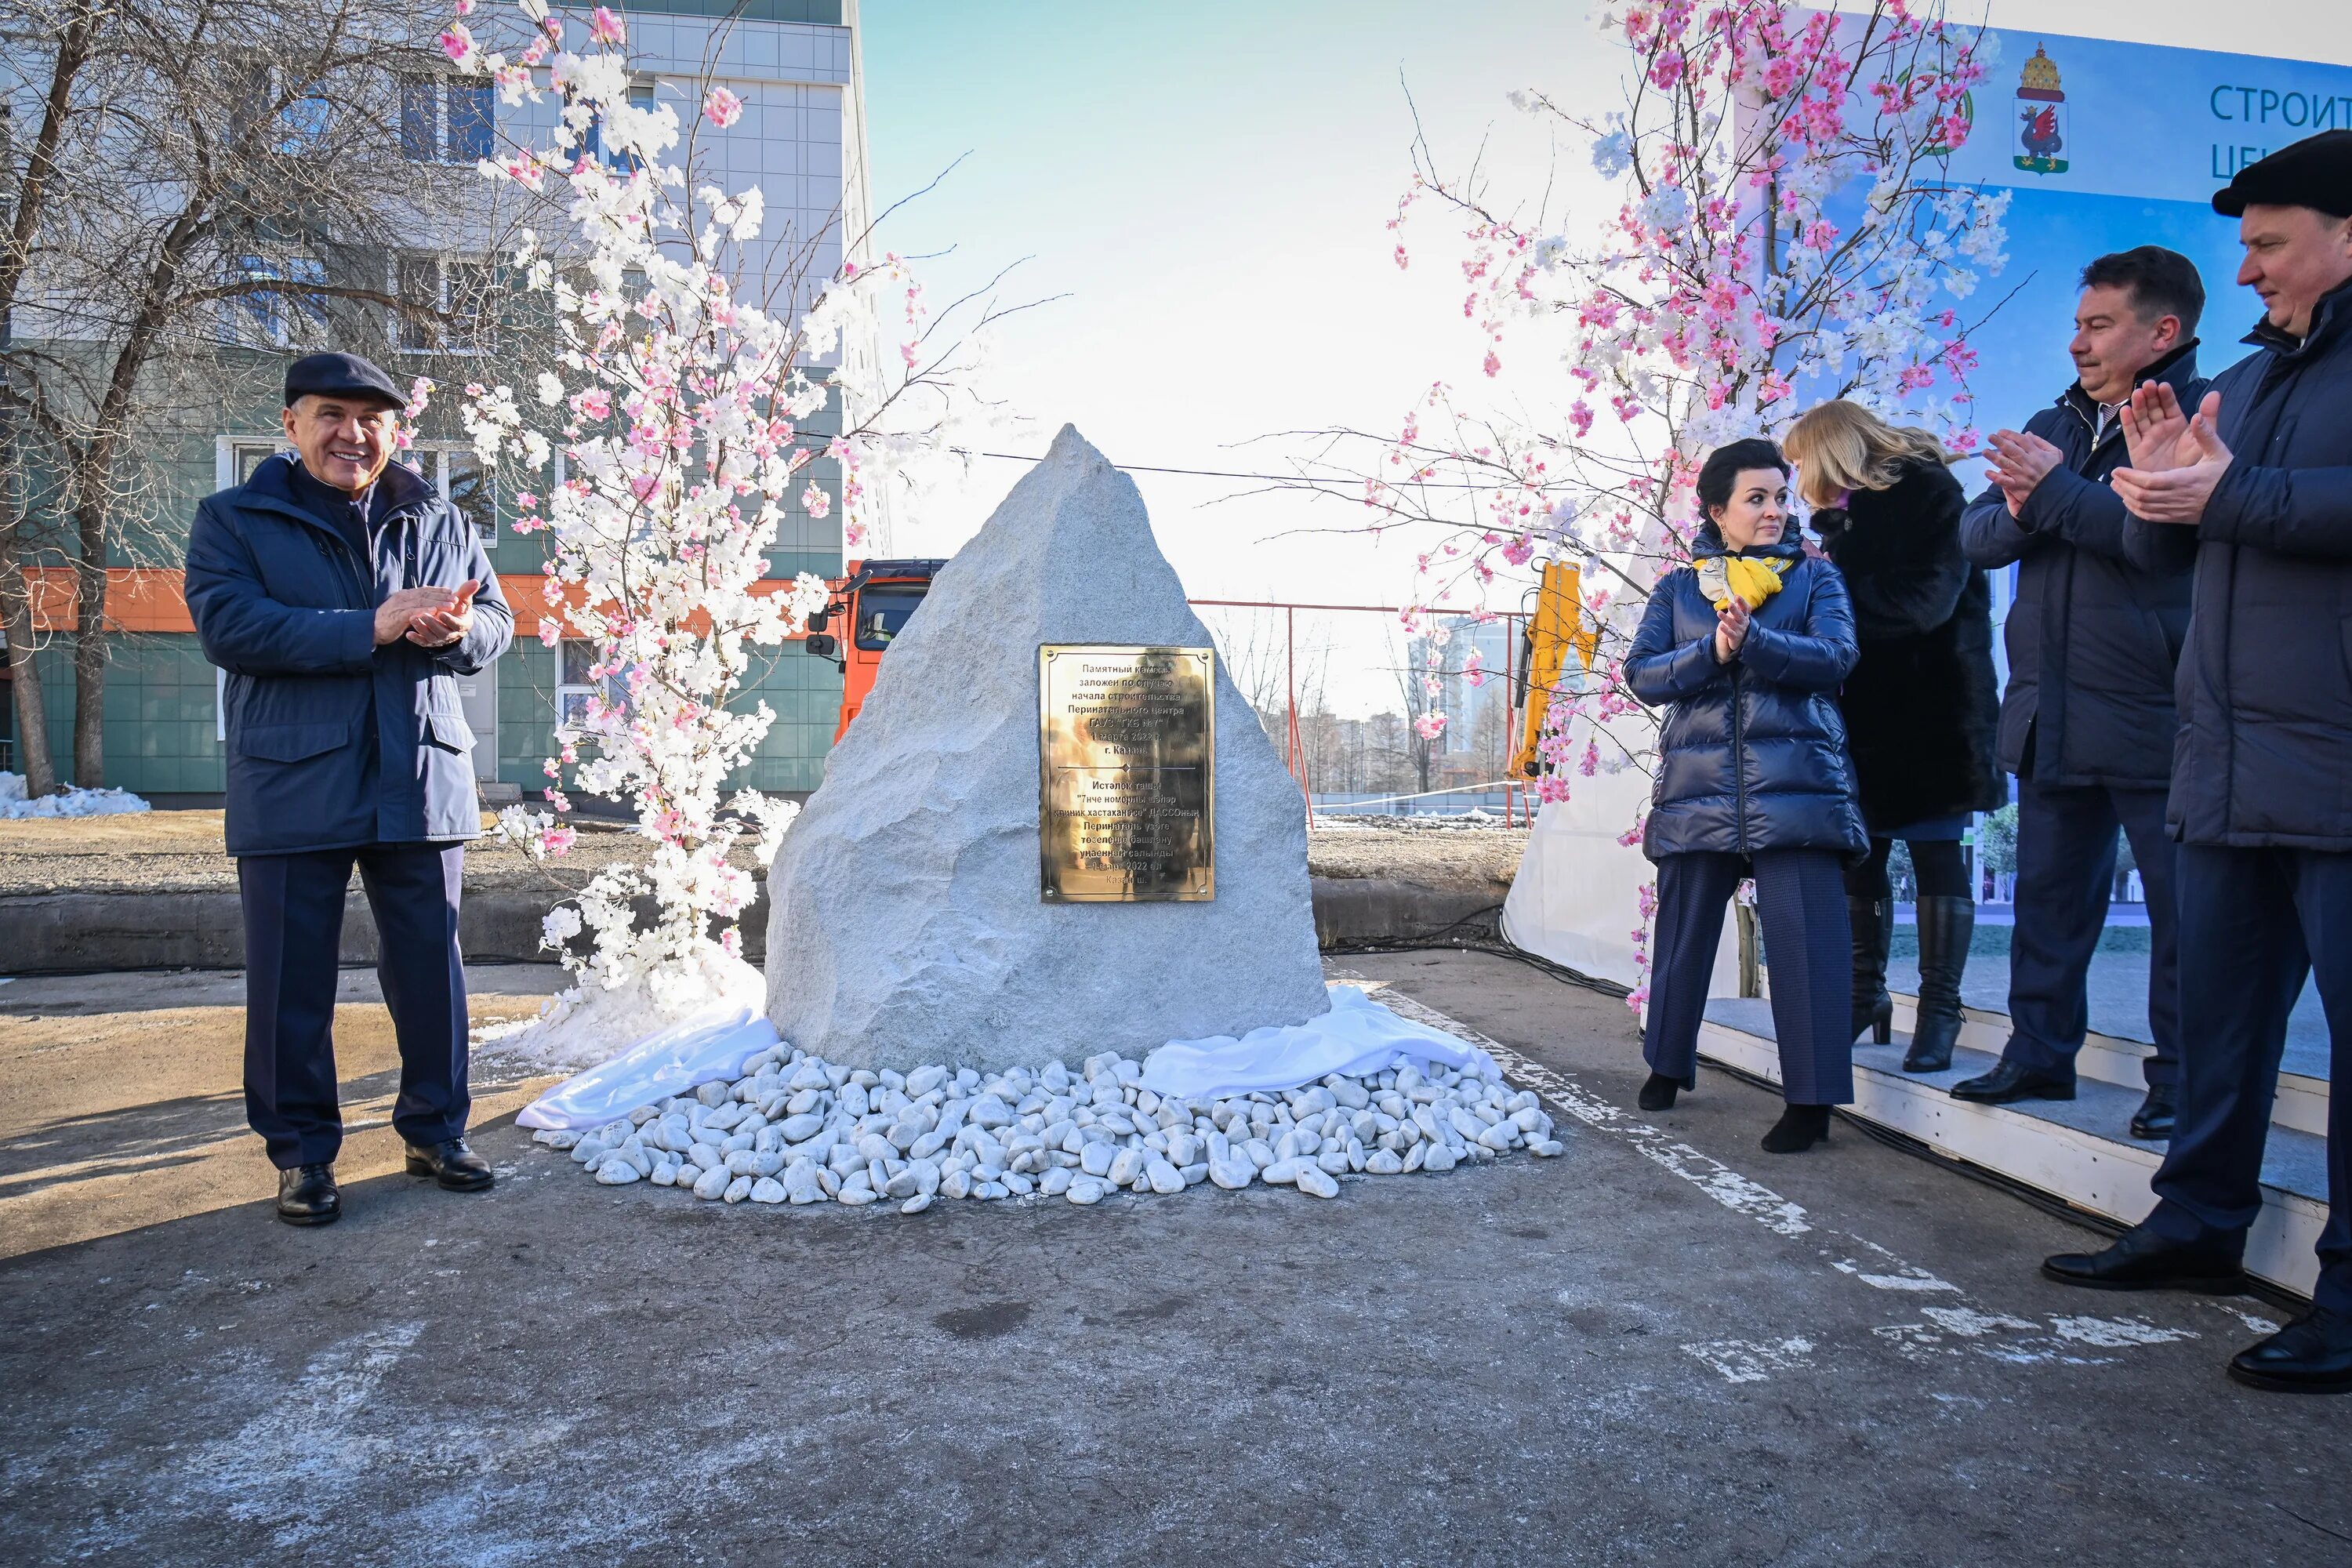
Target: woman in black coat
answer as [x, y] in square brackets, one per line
[1921, 707]
[1749, 645]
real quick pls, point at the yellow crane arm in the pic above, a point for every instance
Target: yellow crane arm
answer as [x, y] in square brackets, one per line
[1559, 624]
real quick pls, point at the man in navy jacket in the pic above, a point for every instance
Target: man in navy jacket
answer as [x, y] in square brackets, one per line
[2258, 484]
[2087, 722]
[344, 596]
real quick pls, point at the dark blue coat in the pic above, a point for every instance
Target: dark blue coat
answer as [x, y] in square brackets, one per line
[1752, 755]
[2263, 753]
[2094, 635]
[332, 741]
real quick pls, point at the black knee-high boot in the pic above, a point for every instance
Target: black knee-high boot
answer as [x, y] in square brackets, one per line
[1873, 929]
[1946, 927]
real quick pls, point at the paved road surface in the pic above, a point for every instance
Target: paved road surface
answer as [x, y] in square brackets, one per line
[1665, 1347]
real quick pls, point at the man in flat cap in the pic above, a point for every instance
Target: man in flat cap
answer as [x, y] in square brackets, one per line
[2258, 484]
[344, 596]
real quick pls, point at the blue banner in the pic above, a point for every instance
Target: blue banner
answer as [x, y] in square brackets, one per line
[2108, 145]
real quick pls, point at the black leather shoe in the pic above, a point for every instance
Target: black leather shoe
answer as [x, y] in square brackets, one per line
[2311, 1355]
[307, 1196]
[2153, 1120]
[2008, 1081]
[452, 1164]
[2140, 1260]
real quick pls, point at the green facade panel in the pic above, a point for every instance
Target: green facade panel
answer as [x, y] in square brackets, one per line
[804, 694]
[160, 714]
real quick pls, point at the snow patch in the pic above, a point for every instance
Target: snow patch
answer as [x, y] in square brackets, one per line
[69, 802]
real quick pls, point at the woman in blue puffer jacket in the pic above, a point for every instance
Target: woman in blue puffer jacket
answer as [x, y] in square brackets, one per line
[1749, 645]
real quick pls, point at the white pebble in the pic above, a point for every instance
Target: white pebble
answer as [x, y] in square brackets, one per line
[1232, 1174]
[1314, 1179]
[917, 1204]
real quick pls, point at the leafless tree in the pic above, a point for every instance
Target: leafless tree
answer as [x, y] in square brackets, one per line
[192, 189]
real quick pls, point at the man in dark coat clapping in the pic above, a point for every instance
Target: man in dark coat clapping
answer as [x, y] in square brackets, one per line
[343, 595]
[2258, 482]
[2087, 722]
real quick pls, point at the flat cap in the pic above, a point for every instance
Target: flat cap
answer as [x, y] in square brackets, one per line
[2315, 172]
[340, 375]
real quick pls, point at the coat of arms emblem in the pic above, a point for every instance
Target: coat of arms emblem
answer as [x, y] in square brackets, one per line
[2042, 117]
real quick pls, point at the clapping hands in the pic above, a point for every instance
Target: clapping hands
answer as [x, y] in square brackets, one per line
[1732, 619]
[429, 617]
[2177, 459]
[2019, 463]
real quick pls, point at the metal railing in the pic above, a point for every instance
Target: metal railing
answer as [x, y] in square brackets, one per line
[1516, 805]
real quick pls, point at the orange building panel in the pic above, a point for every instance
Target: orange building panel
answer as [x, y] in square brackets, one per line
[153, 599]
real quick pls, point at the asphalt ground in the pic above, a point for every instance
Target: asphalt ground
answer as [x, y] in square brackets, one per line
[1665, 1346]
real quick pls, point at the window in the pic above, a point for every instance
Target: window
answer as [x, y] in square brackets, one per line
[467, 295]
[576, 657]
[463, 293]
[444, 119]
[271, 317]
[458, 475]
[641, 96]
[882, 615]
[302, 123]
[246, 459]
[473, 121]
[473, 493]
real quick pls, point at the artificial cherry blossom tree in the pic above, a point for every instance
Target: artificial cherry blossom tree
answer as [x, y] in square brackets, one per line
[683, 403]
[1785, 231]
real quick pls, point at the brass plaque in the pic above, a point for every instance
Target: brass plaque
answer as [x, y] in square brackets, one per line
[1126, 740]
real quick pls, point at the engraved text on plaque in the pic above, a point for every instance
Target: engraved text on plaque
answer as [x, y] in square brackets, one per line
[1125, 746]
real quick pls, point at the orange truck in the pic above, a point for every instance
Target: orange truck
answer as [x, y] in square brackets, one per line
[872, 604]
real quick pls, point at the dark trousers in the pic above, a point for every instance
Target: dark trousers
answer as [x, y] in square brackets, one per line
[1801, 900]
[293, 938]
[2065, 868]
[2258, 921]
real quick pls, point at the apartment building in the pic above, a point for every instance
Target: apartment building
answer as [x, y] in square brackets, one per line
[801, 139]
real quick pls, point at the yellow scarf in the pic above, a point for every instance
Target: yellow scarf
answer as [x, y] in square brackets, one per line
[1753, 579]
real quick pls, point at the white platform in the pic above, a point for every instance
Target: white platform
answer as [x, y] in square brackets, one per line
[2076, 1150]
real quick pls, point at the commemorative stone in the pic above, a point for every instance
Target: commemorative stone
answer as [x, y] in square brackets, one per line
[1056, 828]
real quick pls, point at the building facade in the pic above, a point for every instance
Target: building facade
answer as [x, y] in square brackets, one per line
[801, 139]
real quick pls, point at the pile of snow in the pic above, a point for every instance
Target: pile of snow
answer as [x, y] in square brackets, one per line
[801, 1130]
[67, 802]
[575, 1029]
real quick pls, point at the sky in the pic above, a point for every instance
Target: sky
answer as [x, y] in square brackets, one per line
[1202, 190]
